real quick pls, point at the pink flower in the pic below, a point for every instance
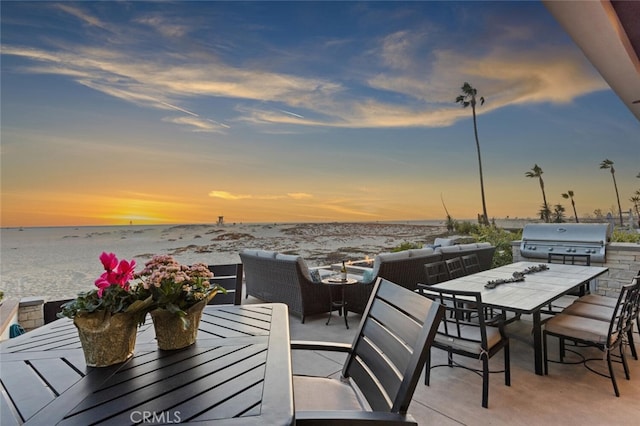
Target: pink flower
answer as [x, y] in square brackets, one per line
[117, 273]
[102, 283]
[109, 261]
[124, 273]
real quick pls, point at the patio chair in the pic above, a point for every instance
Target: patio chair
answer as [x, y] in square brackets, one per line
[604, 335]
[465, 332]
[384, 363]
[568, 259]
[51, 309]
[229, 277]
[471, 263]
[604, 313]
[455, 268]
[597, 299]
[436, 272]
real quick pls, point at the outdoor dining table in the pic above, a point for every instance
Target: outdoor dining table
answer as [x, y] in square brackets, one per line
[237, 373]
[528, 296]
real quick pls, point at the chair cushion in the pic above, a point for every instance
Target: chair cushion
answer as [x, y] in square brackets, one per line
[468, 332]
[321, 394]
[587, 310]
[580, 328]
[596, 299]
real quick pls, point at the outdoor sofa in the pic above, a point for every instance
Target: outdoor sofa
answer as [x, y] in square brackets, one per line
[277, 277]
[406, 268]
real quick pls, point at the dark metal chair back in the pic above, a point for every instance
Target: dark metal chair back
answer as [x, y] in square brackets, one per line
[471, 263]
[436, 272]
[228, 276]
[392, 345]
[455, 268]
[569, 259]
[464, 332]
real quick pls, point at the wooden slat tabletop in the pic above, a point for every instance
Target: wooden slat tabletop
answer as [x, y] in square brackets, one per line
[241, 352]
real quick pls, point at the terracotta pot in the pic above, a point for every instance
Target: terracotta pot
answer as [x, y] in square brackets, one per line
[106, 338]
[170, 329]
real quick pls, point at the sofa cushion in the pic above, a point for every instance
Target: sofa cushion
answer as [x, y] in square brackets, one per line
[468, 247]
[420, 252]
[287, 257]
[443, 242]
[449, 249]
[261, 253]
[390, 257]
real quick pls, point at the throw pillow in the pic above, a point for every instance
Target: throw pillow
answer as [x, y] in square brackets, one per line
[315, 275]
[367, 276]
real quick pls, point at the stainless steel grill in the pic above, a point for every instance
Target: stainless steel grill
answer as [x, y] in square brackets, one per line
[540, 239]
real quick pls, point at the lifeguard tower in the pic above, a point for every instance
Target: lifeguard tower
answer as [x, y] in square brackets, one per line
[220, 221]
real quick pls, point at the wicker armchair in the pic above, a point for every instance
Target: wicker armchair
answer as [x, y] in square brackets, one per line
[275, 277]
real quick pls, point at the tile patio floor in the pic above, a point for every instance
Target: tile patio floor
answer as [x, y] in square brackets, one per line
[569, 395]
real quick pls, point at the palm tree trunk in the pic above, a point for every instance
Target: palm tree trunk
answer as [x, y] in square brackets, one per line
[475, 131]
[615, 185]
[544, 200]
[575, 213]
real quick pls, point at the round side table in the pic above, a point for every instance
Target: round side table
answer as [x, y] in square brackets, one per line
[334, 282]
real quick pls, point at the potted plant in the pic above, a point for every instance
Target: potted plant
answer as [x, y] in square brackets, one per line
[107, 316]
[179, 294]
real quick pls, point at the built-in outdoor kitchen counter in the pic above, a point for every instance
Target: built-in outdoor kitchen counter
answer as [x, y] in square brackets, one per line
[622, 259]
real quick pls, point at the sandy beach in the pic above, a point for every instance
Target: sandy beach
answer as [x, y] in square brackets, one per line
[58, 262]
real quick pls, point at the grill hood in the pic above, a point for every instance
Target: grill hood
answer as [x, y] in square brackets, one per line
[540, 239]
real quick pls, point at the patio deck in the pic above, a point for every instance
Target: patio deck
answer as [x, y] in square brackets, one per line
[569, 395]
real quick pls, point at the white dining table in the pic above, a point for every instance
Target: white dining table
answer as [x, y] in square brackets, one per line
[529, 296]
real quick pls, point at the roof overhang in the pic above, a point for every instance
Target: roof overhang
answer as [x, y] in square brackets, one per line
[608, 32]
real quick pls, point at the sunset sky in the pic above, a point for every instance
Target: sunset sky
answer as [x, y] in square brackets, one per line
[178, 112]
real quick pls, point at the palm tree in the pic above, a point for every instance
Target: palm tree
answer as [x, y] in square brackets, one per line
[468, 97]
[536, 172]
[558, 213]
[636, 203]
[608, 164]
[569, 194]
[545, 213]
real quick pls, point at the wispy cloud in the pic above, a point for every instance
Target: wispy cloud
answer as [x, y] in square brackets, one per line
[233, 197]
[81, 14]
[402, 91]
